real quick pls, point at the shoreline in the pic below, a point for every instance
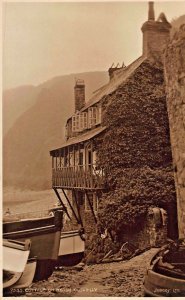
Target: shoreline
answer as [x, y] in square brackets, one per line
[19, 201]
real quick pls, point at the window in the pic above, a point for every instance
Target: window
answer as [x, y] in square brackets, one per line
[65, 161]
[94, 116]
[79, 122]
[83, 121]
[91, 116]
[75, 123]
[89, 157]
[98, 119]
[80, 158]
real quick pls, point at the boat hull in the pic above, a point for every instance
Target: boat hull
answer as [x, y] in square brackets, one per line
[24, 281]
[45, 240]
[71, 250]
[15, 258]
[158, 285]
[166, 274]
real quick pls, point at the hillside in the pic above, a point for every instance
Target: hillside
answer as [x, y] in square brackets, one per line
[23, 97]
[39, 128]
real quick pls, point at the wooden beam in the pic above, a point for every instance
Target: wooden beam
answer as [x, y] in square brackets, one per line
[56, 162]
[73, 156]
[78, 209]
[73, 211]
[63, 205]
[91, 166]
[91, 207]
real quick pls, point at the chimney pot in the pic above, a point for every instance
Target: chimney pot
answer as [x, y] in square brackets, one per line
[151, 14]
[155, 34]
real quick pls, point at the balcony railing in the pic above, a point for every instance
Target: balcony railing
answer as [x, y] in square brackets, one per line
[83, 177]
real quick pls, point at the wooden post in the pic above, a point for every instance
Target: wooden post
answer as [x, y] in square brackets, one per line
[56, 162]
[69, 160]
[91, 207]
[64, 207]
[78, 209]
[74, 213]
[78, 179]
[64, 157]
[73, 169]
[73, 155]
[91, 167]
[52, 162]
[53, 172]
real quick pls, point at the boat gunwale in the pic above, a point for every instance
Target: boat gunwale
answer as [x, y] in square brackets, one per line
[32, 225]
[29, 219]
[23, 246]
[32, 232]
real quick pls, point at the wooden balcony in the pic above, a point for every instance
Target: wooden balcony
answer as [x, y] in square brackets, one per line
[78, 177]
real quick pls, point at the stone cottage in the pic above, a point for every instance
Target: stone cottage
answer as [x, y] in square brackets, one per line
[138, 93]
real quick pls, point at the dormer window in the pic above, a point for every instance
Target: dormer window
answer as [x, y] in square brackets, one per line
[79, 122]
[75, 123]
[84, 120]
[94, 116]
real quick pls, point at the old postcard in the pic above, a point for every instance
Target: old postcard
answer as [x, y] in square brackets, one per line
[93, 149]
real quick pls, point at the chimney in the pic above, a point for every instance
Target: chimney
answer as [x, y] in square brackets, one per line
[151, 14]
[113, 68]
[79, 91]
[156, 34]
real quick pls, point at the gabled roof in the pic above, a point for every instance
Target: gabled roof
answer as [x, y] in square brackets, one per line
[119, 77]
[79, 139]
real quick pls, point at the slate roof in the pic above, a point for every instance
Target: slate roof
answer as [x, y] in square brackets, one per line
[80, 138]
[119, 77]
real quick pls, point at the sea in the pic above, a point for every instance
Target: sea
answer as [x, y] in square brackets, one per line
[17, 201]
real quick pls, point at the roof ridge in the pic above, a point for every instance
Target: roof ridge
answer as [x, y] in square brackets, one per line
[119, 77]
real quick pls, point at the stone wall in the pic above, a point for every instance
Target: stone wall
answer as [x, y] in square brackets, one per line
[155, 38]
[153, 232]
[87, 219]
[137, 149]
[175, 88]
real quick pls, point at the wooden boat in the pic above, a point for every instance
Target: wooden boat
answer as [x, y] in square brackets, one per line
[166, 274]
[72, 246]
[16, 265]
[44, 233]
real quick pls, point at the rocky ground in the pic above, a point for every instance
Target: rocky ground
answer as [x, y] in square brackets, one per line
[123, 278]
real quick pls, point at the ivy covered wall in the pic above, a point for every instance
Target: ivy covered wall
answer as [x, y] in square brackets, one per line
[135, 152]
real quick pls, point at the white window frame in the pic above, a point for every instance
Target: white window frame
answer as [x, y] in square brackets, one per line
[83, 121]
[94, 115]
[79, 122]
[98, 114]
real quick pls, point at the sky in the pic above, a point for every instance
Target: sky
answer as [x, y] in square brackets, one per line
[42, 40]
